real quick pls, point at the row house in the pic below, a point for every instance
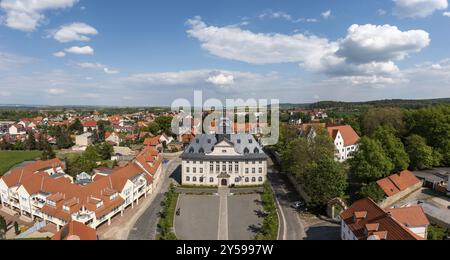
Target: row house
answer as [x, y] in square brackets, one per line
[42, 192]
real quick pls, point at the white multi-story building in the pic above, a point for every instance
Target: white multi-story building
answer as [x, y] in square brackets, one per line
[41, 191]
[345, 140]
[224, 160]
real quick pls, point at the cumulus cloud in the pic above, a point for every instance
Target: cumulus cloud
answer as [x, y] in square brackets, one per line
[221, 79]
[27, 15]
[74, 32]
[257, 48]
[205, 78]
[59, 54]
[367, 43]
[326, 14]
[365, 50]
[446, 14]
[86, 50]
[418, 8]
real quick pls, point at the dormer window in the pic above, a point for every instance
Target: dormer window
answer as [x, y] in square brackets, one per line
[239, 141]
[191, 150]
[246, 151]
[197, 141]
[250, 141]
[256, 150]
[201, 150]
[209, 141]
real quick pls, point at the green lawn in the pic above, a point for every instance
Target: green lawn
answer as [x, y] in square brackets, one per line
[8, 159]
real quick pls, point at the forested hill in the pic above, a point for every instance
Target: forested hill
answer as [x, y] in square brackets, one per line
[403, 103]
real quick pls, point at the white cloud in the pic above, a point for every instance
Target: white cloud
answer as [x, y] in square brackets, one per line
[366, 50]
[257, 48]
[367, 43]
[326, 14]
[74, 32]
[9, 61]
[26, 15]
[418, 8]
[276, 15]
[97, 66]
[446, 14]
[86, 50]
[110, 71]
[381, 12]
[221, 79]
[59, 54]
[56, 91]
[205, 78]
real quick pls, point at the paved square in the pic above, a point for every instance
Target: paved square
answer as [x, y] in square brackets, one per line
[200, 219]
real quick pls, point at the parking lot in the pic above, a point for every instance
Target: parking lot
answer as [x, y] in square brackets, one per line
[199, 218]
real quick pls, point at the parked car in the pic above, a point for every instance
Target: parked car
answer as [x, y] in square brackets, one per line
[298, 205]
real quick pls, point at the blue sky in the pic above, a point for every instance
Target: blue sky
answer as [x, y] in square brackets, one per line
[85, 52]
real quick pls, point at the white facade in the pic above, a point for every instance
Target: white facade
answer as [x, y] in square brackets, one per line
[214, 169]
[343, 153]
[83, 140]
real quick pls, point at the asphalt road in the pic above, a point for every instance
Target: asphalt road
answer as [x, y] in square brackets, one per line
[292, 227]
[145, 227]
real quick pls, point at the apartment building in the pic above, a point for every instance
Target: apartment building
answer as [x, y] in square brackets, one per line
[42, 191]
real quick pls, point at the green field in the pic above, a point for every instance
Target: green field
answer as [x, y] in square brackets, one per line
[10, 158]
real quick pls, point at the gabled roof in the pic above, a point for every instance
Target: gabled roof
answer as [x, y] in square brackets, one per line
[387, 226]
[410, 217]
[398, 182]
[348, 134]
[76, 231]
[90, 123]
[152, 141]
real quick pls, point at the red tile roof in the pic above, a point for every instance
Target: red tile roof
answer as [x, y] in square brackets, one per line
[348, 134]
[65, 193]
[375, 215]
[90, 123]
[397, 183]
[76, 231]
[152, 141]
[410, 217]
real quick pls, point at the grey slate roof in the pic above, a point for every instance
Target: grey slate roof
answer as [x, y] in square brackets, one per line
[205, 143]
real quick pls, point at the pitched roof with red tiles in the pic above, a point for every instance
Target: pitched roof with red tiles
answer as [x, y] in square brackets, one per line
[375, 222]
[348, 134]
[67, 194]
[152, 141]
[150, 160]
[76, 231]
[398, 182]
[411, 217]
[90, 123]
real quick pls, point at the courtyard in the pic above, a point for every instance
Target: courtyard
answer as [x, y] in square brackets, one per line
[218, 217]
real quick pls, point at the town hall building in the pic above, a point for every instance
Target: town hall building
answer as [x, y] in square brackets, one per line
[224, 160]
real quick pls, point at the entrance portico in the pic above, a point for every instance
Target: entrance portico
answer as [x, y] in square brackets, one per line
[224, 180]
